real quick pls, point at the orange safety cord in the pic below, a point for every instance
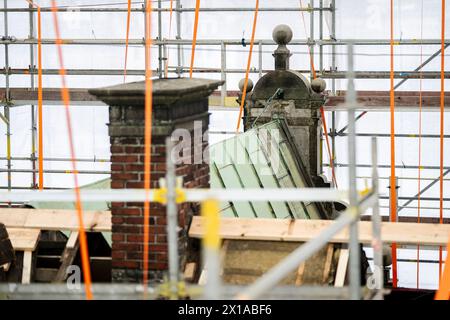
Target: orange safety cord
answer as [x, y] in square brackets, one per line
[443, 292]
[322, 111]
[40, 107]
[66, 100]
[441, 179]
[194, 37]
[147, 137]
[392, 190]
[127, 40]
[419, 173]
[249, 62]
[166, 69]
[40, 125]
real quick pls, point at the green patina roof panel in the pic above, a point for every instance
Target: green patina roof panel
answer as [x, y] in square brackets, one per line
[263, 157]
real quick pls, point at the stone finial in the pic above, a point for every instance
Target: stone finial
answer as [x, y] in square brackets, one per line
[282, 35]
[249, 85]
[318, 85]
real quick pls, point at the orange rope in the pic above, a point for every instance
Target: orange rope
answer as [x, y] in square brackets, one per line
[322, 111]
[249, 62]
[443, 292]
[66, 99]
[194, 37]
[40, 125]
[40, 107]
[148, 136]
[126, 40]
[166, 71]
[393, 191]
[441, 180]
[420, 146]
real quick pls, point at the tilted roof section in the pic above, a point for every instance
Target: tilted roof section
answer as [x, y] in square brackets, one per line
[263, 157]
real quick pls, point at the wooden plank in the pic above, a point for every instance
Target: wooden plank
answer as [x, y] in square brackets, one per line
[189, 271]
[72, 241]
[67, 257]
[24, 239]
[26, 271]
[300, 272]
[48, 219]
[328, 261]
[305, 230]
[341, 271]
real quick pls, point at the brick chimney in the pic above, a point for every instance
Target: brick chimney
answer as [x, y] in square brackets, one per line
[177, 104]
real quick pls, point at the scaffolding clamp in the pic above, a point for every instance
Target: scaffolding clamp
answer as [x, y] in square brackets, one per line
[161, 193]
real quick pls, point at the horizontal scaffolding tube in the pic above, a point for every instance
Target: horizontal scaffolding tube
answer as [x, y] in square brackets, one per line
[327, 75]
[402, 178]
[230, 42]
[77, 9]
[47, 291]
[192, 195]
[59, 159]
[55, 171]
[387, 135]
[415, 198]
[386, 166]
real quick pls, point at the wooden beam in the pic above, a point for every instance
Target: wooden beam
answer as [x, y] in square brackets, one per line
[189, 271]
[26, 271]
[369, 100]
[305, 230]
[67, 256]
[328, 261]
[24, 239]
[341, 271]
[47, 219]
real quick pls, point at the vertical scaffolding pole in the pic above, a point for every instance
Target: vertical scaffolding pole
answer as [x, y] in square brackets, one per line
[260, 59]
[311, 34]
[8, 98]
[333, 84]
[354, 247]
[179, 47]
[321, 35]
[377, 243]
[172, 221]
[223, 75]
[33, 107]
[160, 48]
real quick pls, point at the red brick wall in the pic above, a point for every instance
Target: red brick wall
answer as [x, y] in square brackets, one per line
[127, 167]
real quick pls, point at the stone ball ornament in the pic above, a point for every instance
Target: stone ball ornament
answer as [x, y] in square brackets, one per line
[318, 85]
[282, 34]
[249, 85]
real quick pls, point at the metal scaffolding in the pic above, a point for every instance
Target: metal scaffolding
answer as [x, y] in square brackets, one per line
[315, 9]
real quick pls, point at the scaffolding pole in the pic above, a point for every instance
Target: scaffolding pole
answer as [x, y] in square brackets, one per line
[33, 107]
[177, 9]
[172, 222]
[7, 114]
[354, 248]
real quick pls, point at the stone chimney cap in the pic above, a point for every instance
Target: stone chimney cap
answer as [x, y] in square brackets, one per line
[165, 91]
